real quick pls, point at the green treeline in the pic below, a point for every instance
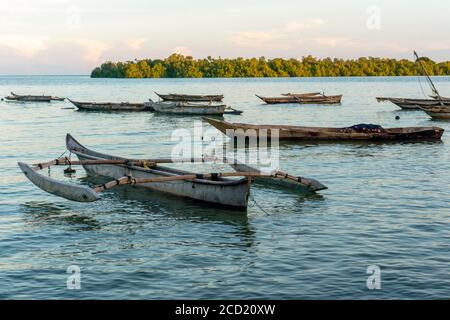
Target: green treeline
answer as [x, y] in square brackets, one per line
[179, 66]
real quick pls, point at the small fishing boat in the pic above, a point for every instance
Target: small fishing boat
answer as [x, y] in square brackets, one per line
[186, 108]
[213, 188]
[418, 104]
[110, 106]
[319, 99]
[190, 97]
[357, 132]
[31, 98]
[441, 113]
[415, 104]
[278, 100]
[308, 99]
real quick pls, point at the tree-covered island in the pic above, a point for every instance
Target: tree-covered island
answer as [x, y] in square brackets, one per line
[179, 66]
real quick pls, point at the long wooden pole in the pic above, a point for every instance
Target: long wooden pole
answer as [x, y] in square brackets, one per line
[134, 181]
[139, 162]
[433, 88]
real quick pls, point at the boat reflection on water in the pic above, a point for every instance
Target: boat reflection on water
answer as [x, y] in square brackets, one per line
[38, 213]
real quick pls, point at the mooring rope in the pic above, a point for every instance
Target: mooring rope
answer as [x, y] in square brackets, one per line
[255, 204]
[62, 154]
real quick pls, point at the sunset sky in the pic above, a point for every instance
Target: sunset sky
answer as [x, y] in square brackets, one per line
[72, 37]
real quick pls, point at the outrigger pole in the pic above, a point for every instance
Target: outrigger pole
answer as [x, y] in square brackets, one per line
[86, 194]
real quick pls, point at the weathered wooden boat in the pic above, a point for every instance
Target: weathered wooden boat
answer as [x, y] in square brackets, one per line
[308, 94]
[357, 132]
[278, 100]
[31, 98]
[312, 99]
[441, 113]
[213, 188]
[284, 180]
[190, 97]
[186, 108]
[110, 106]
[415, 104]
[320, 99]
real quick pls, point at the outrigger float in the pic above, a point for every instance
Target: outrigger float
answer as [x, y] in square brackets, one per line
[215, 188]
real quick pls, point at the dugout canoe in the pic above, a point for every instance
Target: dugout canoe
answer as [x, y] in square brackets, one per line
[284, 132]
[190, 97]
[32, 98]
[415, 104]
[110, 106]
[312, 99]
[186, 108]
[440, 113]
[223, 191]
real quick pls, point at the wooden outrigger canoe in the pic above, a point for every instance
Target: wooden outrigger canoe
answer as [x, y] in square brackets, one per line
[110, 106]
[308, 99]
[284, 132]
[415, 104]
[186, 108]
[190, 97]
[31, 98]
[441, 113]
[214, 188]
[210, 188]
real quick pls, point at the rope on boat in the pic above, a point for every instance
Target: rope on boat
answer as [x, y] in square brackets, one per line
[256, 204]
[421, 88]
[62, 154]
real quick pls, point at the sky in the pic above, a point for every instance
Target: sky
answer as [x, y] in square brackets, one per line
[72, 37]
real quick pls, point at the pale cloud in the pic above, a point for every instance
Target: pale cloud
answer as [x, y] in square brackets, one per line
[348, 43]
[396, 48]
[252, 39]
[298, 26]
[26, 46]
[136, 44]
[93, 49]
[439, 46]
[185, 51]
[282, 38]
[336, 42]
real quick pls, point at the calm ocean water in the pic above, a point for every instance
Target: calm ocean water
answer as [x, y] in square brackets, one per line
[387, 204]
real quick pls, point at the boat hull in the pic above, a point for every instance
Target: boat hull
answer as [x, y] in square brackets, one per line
[108, 107]
[192, 98]
[29, 98]
[186, 108]
[227, 192]
[242, 130]
[307, 99]
[438, 113]
[416, 104]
